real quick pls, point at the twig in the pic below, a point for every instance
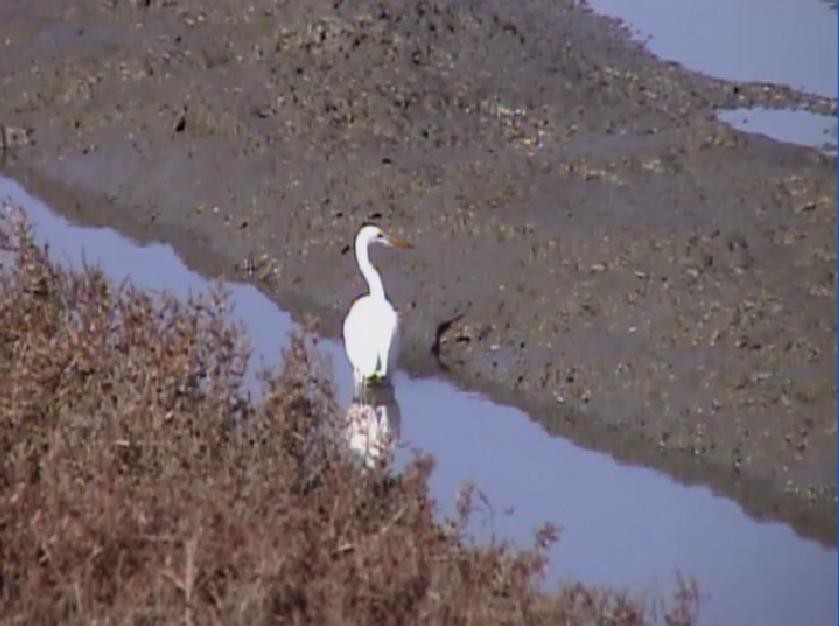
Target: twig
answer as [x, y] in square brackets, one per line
[191, 546]
[392, 521]
[187, 583]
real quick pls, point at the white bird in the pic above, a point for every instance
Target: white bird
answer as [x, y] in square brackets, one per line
[371, 323]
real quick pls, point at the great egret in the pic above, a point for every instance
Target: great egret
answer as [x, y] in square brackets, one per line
[371, 323]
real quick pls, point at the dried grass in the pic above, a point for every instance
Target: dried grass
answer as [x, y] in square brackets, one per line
[139, 486]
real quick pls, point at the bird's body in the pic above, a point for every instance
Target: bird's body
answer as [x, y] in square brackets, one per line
[370, 330]
[372, 324]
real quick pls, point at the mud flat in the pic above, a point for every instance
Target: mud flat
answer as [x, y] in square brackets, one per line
[639, 276]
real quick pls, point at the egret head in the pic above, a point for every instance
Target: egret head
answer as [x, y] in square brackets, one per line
[370, 233]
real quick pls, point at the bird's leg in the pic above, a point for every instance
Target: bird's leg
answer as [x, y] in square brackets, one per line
[383, 358]
[360, 394]
[359, 383]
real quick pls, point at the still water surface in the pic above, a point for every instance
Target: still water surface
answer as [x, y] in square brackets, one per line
[790, 42]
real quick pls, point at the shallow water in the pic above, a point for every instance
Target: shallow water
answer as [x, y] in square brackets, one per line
[620, 525]
[800, 127]
[791, 42]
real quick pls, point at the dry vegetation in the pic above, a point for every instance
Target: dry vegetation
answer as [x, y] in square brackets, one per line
[138, 486]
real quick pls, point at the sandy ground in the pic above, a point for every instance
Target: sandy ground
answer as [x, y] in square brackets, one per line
[592, 245]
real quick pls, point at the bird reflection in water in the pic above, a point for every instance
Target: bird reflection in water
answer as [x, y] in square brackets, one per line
[373, 423]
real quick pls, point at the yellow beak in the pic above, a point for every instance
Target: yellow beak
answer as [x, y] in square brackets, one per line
[400, 244]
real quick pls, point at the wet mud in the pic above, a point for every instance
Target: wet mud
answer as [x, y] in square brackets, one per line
[592, 243]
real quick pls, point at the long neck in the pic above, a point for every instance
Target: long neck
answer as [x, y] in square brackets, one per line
[374, 281]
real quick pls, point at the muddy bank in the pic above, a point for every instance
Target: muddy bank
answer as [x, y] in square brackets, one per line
[640, 277]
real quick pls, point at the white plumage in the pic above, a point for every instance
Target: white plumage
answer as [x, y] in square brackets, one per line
[369, 331]
[371, 325]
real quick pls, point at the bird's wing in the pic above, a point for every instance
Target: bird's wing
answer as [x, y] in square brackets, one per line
[360, 328]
